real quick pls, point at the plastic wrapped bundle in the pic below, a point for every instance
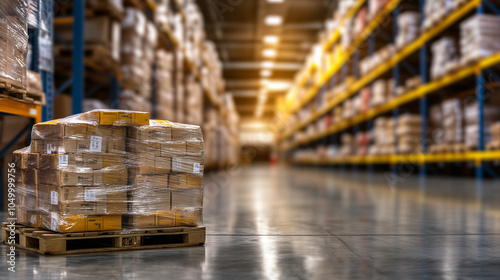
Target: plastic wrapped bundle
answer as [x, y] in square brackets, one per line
[479, 37]
[106, 169]
[446, 57]
[13, 42]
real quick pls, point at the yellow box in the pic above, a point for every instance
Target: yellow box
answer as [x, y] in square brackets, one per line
[157, 219]
[125, 119]
[81, 223]
[140, 118]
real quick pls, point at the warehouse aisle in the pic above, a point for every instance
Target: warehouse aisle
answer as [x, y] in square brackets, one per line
[288, 223]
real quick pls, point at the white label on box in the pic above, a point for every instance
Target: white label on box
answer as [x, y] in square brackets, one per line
[63, 161]
[177, 164]
[54, 198]
[53, 221]
[196, 168]
[90, 195]
[33, 220]
[49, 149]
[33, 111]
[61, 150]
[96, 144]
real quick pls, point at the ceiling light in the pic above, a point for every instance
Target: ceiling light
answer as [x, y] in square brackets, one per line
[278, 86]
[269, 53]
[274, 20]
[271, 39]
[267, 64]
[266, 73]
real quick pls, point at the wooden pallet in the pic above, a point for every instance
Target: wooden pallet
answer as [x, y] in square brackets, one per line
[15, 91]
[53, 243]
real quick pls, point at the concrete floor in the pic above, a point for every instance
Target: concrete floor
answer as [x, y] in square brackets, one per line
[289, 223]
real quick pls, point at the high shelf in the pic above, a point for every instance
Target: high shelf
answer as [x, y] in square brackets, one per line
[348, 60]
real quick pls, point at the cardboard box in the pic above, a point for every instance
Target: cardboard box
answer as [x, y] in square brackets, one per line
[117, 146]
[82, 176]
[80, 223]
[186, 132]
[59, 161]
[116, 175]
[182, 199]
[185, 181]
[21, 176]
[32, 177]
[188, 164]
[148, 149]
[194, 146]
[146, 200]
[153, 165]
[20, 160]
[34, 160]
[173, 148]
[27, 217]
[57, 129]
[151, 181]
[100, 161]
[152, 133]
[69, 146]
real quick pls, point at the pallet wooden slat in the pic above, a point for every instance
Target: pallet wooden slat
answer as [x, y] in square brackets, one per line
[52, 243]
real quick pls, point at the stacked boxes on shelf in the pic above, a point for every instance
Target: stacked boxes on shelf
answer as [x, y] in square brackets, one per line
[164, 84]
[139, 41]
[494, 144]
[409, 134]
[13, 43]
[479, 37]
[446, 57]
[409, 28]
[86, 172]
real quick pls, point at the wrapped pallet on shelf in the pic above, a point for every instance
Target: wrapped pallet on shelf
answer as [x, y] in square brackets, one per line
[409, 28]
[494, 144]
[446, 57]
[471, 122]
[479, 38]
[409, 134]
[104, 170]
[453, 124]
[13, 46]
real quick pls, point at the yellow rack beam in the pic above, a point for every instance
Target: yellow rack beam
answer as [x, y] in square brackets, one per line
[404, 99]
[374, 23]
[475, 156]
[21, 109]
[405, 52]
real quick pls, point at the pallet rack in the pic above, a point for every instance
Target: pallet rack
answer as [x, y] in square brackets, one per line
[339, 71]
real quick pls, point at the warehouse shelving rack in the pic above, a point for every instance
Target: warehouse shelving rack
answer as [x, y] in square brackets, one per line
[41, 41]
[477, 70]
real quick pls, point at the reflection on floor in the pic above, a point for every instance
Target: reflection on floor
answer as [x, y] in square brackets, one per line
[294, 223]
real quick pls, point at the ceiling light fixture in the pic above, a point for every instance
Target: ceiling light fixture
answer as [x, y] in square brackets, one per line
[267, 64]
[274, 20]
[266, 73]
[269, 53]
[271, 39]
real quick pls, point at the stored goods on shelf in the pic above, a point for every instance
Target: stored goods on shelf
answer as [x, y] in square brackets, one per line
[13, 44]
[87, 171]
[446, 57]
[479, 37]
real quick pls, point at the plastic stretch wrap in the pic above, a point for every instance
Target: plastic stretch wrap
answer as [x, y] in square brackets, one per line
[105, 169]
[13, 42]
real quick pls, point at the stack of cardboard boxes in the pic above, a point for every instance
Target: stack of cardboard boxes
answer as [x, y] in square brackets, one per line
[494, 144]
[409, 134]
[384, 137]
[138, 44]
[164, 84]
[409, 28]
[446, 57]
[86, 172]
[13, 42]
[479, 37]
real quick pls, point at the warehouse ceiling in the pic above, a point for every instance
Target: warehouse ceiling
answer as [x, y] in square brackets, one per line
[238, 27]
